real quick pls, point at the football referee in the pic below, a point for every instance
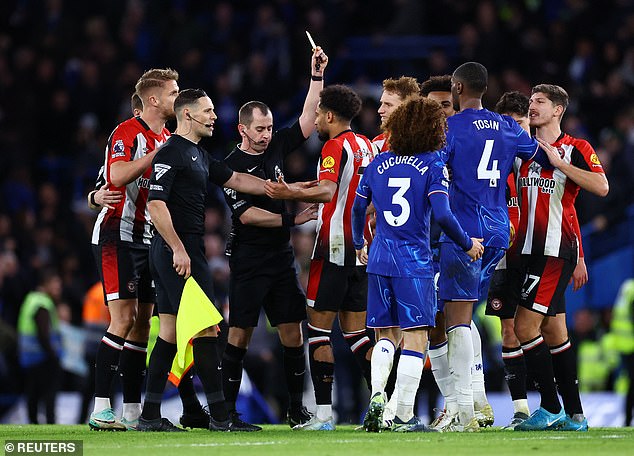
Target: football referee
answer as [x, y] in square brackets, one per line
[261, 256]
[176, 202]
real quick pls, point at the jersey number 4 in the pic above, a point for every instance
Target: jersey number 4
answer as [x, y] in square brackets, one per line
[493, 174]
[402, 184]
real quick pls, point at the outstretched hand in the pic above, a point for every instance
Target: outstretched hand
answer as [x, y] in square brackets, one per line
[277, 190]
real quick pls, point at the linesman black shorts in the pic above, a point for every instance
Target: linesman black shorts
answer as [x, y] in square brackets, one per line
[334, 288]
[169, 285]
[264, 278]
[504, 292]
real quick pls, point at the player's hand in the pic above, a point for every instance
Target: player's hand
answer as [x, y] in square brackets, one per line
[106, 198]
[362, 254]
[477, 249]
[319, 61]
[277, 190]
[552, 153]
[182, 263]
[579, 275]
[310, 213]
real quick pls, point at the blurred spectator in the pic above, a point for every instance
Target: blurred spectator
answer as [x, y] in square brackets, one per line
[40, 345]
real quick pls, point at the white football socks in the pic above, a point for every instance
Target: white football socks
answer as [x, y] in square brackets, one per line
[408, 373]
[477, 373]
[460, 363]
[381, 364]
[131, 411]
[442, 375]
[101, 404]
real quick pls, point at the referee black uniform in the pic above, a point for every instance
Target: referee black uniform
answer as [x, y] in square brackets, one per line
[262, 262]
[263, 274]
[181, 172]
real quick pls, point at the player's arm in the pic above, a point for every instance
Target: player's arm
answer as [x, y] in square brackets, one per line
[307, 118]
[580, 273]
[256, 216]
[123, 172]
[162, 220]
[245, 183]
[320, 193]
[358, 225]
[591, 181]
[447, 221]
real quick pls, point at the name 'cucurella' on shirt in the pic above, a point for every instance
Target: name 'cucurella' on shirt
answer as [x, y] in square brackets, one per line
[402, 160]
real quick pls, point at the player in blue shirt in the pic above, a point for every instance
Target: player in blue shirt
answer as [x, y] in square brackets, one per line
[404, 185]
[481, 148]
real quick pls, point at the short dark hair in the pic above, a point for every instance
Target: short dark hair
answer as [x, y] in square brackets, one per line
[341, 100]
[135, 102]
[416, 126]
[512, 103]
[404, 87]
[187, 97]
[555, 93]
[436, 84]
[474, 76]
[245, 114]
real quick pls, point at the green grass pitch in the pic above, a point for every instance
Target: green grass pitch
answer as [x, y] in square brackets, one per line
[281, 441]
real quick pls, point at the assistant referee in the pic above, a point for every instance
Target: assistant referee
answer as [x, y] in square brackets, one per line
[176, 202]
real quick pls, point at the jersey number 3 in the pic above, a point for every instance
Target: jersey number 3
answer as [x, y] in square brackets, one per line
[402, 184]
[493, 174]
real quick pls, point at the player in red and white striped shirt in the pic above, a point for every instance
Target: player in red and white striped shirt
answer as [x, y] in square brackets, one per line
[337, 285]
[395, 93]
[549, 246]
[121, 238]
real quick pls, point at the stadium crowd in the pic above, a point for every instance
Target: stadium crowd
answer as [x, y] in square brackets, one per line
[68, 68]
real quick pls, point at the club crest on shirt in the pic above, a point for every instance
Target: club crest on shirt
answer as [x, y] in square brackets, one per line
[328, 162]
[496, 304]
[594, 158]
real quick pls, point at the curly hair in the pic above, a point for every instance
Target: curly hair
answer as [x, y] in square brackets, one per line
[512, 103]
[341, 100]
[436, 84]
[404, 87]
[417, 126]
